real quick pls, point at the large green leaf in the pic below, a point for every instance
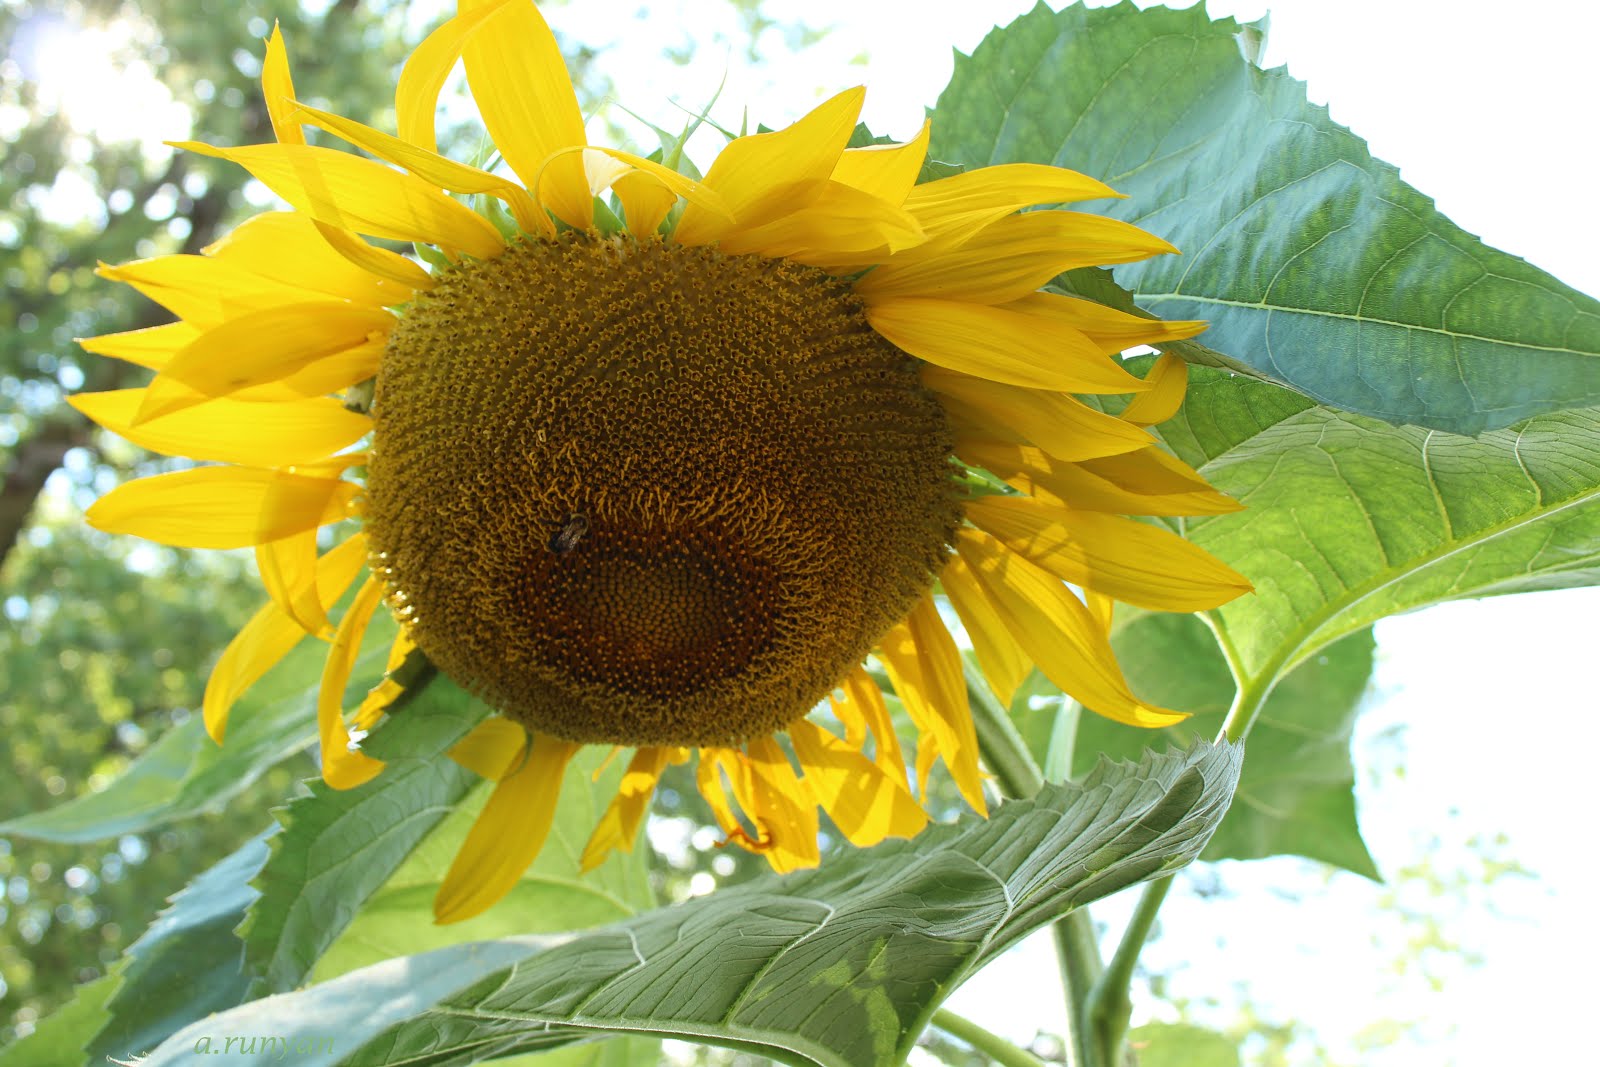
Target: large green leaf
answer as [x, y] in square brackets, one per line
[1351, 520]
[554, 896]
[841, 965]
[186, 965]
[338, 848]
[185, 773]
[58, 1039]
[1317, 266]
[1295, 796]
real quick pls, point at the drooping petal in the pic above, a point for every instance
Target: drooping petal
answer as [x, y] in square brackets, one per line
[1056, 631]
[269, 636]
[708, 780]
[416, 96]
[359, 194]
[221, 507]
[999, 345]
[392, 268]
[782, 807]
[1002, 660]
[1110, 330]
[291, 249]
[866, 803]
[277, 90]
[1010, 258]
[861, 710]
[390, 688]
[1168, 380]
[1057, 423]
[763, 175]
[520, 83]
[257, 348]
[288, 569]
[603, 167]
[344, 767]
[492, 749]
[508, 833]
[1130, 560]
[962, 204]
[619, 824]
[886, 171]
[253, 434]
[432, 167]
[925, 667]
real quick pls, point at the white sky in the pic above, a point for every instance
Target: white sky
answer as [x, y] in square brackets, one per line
[1488, 108]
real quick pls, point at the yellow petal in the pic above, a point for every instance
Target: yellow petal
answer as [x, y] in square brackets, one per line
[361, 195]
[1168, 380]
[344, 767]
[708, 780]
[1133, 561]
[288, 570]
[1110, 330]
[151, 347]
[508, 833]
[277, 89]
[1056, 631]
[232, 431]
[416, 97]
[1102, 609]
[1010, 258]
[1002, 660]
[925, 667]
[1144, 482]
[270, 635]
[432, 167]
[260, 347]
[646, 201]
[605, 166]
[221, 507]
[289, 248]
[492, 749]
[964, 203]
[519, 81]
[390, 688]
[866, 804]
[782, 808]
[1065, 428]
[202, 290]
[328, 374]
[843, 229]
[390, 267]
[862, 709]
[886, 171]
[619, 824]
[763, 175]
[1000, 345]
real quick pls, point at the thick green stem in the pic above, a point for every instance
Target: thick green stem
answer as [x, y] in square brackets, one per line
[1007, 755]
[1109, 1005]
[994, 1046]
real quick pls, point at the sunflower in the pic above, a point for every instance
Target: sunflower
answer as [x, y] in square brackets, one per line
[662, 470]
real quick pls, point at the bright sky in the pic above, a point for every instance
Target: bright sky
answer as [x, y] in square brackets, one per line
[1486, 107]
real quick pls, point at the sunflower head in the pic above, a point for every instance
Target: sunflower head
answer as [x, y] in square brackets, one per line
[637, 493]
[667, 487]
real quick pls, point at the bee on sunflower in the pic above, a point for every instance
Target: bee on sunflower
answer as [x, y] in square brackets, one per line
[661, 474]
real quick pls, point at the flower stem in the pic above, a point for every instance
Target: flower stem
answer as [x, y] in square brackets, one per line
[1108, 1006]
[994, 1046]
[1077, 949]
